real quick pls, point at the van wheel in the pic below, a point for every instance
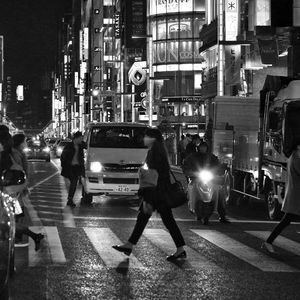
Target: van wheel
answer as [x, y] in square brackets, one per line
[87, 198]
[273, 206]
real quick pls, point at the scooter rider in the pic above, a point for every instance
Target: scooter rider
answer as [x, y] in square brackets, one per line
[200, 159]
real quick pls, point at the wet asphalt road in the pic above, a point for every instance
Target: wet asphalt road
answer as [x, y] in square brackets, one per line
[76, 260]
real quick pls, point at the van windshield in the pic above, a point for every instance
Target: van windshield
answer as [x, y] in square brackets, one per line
[117, 137]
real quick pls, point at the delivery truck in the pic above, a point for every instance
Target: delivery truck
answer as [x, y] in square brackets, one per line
[253, 137]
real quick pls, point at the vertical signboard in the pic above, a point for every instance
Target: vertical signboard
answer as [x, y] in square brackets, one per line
[231, 19]
[233, 64]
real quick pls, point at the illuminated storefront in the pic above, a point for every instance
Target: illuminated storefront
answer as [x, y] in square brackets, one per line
[177, 64]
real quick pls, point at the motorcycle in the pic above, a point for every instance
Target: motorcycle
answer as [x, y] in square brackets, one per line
[203, 193]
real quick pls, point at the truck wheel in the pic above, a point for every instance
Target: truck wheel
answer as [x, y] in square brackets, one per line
[273, 206]
[227, 192]
[86, 199]
[12, 264]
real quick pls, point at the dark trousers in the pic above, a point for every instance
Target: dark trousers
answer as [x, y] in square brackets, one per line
[168, 220]
[75, 175]
[285, 221]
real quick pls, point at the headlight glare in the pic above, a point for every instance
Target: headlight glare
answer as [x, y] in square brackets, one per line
[206, 176]
[96, 166]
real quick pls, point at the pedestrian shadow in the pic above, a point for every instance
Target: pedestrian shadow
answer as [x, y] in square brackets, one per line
[123, 267]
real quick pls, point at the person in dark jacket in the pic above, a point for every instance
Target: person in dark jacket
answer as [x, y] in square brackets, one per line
[157, 159]
[198, 160]
[192, 147]
[72, 164]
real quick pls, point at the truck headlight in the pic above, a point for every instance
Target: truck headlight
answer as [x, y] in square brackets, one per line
[96, 166]
[205, 176]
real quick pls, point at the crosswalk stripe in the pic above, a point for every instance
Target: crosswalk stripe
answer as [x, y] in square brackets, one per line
[33, 199]
[102, 240]
[280, 241]
[243, 252]
[55, 247]
[163, 240]
[49, 206]
[41, 257]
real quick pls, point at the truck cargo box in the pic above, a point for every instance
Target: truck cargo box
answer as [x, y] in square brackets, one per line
[236, 119]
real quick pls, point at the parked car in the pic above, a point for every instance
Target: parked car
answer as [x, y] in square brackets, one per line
[60, 147]
[37, 149]
[7, 240]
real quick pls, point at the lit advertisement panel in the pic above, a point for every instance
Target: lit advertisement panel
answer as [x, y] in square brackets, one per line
[174, 6]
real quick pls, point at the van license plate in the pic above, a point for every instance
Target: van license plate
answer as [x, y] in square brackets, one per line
[122, 188]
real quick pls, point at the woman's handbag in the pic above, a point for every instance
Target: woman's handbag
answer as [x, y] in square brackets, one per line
[147, 177]
[176, 195]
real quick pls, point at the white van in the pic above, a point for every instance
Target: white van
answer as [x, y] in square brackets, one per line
[115, 152]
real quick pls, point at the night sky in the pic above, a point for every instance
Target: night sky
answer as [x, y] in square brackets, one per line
[30, 31]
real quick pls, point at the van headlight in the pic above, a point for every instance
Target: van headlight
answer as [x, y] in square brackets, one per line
[96, 166]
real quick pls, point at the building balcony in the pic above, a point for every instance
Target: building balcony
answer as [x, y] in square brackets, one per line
[182, 119]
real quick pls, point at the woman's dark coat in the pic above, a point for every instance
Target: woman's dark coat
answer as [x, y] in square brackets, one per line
[67, 157]
[157, 196]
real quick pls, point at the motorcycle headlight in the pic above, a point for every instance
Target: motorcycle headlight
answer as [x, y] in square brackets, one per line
[206, 176]
[27, 150]
[96, 166]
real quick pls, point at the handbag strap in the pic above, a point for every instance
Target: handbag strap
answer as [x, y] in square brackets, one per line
[175, 179]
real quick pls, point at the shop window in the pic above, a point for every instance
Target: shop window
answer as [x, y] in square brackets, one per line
[186, 28]
[186, 51]
[160, 55]
[161, 29]
[173, 28]
[199, 21]
[172, 52]
[199, 5]
[153, 30]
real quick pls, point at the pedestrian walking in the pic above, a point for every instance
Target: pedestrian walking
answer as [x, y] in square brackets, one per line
[8, 162]
[152, 199]
[192, 147]
[291, 202]
[72, 164]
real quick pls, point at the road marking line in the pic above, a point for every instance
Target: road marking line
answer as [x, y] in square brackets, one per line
[68, 218]
[41, 257]
[177, 219]
[55, 246]
[163, 240]
[49, 206]
[42, 181]
[37, 199]
[51, 220]
[103, 239]
[243, 252]
[281, 242]
[49, 212]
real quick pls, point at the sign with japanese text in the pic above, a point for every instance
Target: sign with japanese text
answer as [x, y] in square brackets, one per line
[231, 20]
[233, 64]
